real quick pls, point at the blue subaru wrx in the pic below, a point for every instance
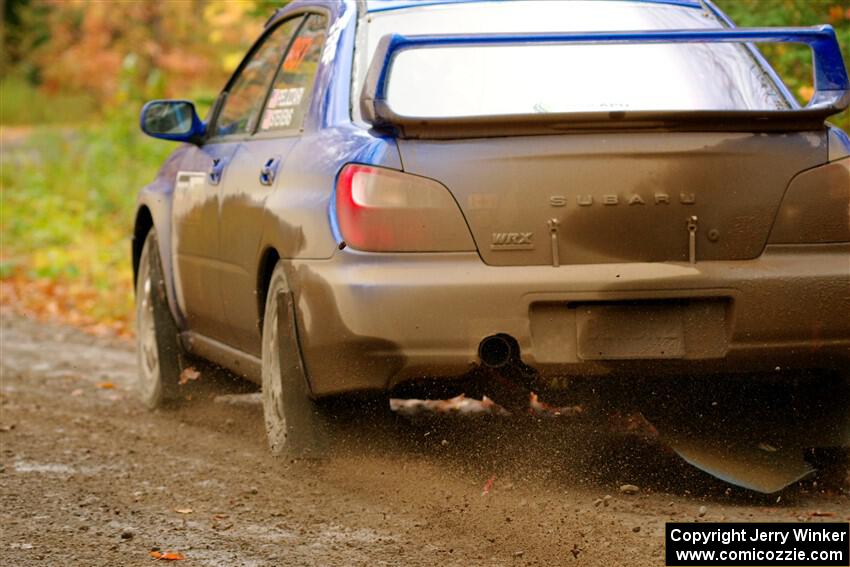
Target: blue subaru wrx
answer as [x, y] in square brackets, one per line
[416, 199]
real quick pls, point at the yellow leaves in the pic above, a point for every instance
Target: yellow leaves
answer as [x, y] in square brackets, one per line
[806, 92]
[72, 303]
[838, 13]
[90, 42]
[223, 13]
[229, 23]
[230, 61]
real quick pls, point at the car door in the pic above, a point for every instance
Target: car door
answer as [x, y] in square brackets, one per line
[206, 170]
[257, 169]
[194, 240]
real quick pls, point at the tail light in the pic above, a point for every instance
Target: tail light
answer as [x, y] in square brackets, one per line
[816, 207]
[383, 210]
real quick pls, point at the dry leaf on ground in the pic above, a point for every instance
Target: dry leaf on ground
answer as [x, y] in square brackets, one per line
[189, 373]
[488, 485]
[167, 555]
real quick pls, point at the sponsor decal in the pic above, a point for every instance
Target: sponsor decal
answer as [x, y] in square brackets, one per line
[278, 118]
[297, 52]
[285, 97]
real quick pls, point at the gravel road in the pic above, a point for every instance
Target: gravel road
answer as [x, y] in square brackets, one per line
[89, 477]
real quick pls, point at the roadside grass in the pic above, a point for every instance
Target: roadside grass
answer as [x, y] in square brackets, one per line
[22, 103]
[66, 218]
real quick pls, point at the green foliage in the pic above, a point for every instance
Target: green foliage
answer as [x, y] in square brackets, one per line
[22, 103]
[68, 196]
[793, 63]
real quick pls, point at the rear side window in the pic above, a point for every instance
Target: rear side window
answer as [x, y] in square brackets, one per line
[248, 89]
[289, 99]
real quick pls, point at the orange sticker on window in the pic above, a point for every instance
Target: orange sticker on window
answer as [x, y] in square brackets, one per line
[296, 53]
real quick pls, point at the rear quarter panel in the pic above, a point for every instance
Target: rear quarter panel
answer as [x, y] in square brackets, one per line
[298, 222]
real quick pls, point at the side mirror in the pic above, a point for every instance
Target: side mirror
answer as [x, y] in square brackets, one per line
[174, 120]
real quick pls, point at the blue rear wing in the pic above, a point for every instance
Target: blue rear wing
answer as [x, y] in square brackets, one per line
[831, 85]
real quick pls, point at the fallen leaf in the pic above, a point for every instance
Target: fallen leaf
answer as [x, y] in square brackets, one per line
[105, 385]
[576, 551]
[77, 392]
[488, 485]
[167, 555]
[539, 407]
[819, 514]
[183, 510]
[5, 428]
[188, 374]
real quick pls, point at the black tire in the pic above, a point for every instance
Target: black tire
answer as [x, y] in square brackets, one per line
[157, 339]
[295, 423]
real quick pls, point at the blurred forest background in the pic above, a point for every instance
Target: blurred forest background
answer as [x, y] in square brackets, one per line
[73, 76]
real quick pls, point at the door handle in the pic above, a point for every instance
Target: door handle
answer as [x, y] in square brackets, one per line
[216, 170]
[269, 171]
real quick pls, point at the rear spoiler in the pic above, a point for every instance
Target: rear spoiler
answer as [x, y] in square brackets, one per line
[832, 88]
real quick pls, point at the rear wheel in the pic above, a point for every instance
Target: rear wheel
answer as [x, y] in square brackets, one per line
[294, 422]
[157, 343]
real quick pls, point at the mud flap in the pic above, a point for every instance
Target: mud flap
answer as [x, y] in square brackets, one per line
[756, 436]
[757, 469]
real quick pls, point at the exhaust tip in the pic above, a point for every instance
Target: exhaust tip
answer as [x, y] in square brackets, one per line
[496, 351]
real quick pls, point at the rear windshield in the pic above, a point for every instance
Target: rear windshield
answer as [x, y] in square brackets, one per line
[526, 79]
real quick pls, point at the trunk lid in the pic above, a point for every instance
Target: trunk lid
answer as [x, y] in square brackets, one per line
[615, 196]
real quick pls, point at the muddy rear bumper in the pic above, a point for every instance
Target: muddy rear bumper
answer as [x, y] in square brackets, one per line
[375, 320]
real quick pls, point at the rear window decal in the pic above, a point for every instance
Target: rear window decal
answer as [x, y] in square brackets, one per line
[297, 52]
[277, 118]
[285, 97]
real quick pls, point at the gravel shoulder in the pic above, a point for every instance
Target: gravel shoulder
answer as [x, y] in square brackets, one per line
[89, 477]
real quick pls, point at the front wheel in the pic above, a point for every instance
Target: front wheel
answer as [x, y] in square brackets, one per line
[157, 342]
